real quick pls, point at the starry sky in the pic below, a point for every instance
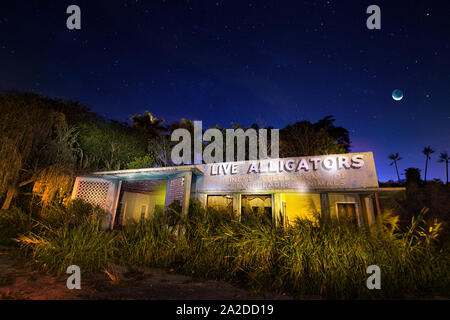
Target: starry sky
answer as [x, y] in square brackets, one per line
[265, 62]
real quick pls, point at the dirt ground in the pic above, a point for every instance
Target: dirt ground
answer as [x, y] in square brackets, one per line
[18, 280]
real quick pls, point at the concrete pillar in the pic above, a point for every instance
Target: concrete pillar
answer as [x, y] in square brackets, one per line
[237, 205]
[187, 192]
[325, 207]
[368, 205]
[118, 187]
[276, 209]
[377, 204]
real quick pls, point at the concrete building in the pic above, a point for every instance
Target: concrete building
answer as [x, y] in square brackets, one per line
[331, 186]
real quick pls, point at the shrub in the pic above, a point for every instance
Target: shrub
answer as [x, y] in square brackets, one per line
[13, 222]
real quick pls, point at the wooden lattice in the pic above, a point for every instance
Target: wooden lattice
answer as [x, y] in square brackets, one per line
[94, 192]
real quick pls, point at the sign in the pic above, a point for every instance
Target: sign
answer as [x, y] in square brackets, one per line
[329, 172]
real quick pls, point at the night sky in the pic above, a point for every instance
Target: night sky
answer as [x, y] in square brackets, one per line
[264, 62]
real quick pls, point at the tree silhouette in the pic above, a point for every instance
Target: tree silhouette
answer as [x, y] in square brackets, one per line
[148, 125]
[304, 138]
[395, 158]
[427, 151]
[445, 157]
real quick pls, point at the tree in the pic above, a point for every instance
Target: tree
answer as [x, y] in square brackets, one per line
[339, 134]
[427, 151]
[445, 157]
[306, 139]
[149, 126]
[147, 161]
[109, 146]
[35, 141]
[395, 158]
[412, 181]
[162, 148]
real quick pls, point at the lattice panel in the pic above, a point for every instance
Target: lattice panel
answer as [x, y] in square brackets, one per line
[176, 190]
[94, 192]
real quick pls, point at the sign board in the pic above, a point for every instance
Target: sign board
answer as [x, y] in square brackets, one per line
[329, 172]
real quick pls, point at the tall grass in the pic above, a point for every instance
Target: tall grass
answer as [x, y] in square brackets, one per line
[13, 223]
[63, 236]
[85, 245]
[302, 260]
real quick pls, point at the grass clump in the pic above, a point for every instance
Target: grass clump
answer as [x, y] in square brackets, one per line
[72, 235]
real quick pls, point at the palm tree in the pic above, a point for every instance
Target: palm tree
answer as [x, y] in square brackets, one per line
[150, 126]
[427, 151]
[445, 157]
[395, 158]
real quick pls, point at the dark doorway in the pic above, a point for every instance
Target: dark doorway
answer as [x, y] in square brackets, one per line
[256, 208]
[346, 212]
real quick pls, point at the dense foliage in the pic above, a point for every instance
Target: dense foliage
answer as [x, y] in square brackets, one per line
[45, 142]
[303, 260]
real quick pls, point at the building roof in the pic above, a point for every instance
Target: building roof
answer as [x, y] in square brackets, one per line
[149, 173]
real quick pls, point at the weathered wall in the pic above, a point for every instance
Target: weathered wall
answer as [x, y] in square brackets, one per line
[302, 206]
[134, 202]
[331, 172]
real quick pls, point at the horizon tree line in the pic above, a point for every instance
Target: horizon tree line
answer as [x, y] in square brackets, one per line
[444, 157]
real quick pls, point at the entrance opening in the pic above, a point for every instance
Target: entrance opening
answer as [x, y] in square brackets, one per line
[346, 212]
[140, 199]
[220, 207]
[256, 208]
[221, 203]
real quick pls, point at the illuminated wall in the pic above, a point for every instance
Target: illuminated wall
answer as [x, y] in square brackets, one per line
[301, 205]
[135, 201]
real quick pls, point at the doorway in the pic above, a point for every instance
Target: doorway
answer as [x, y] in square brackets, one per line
[256, 208]
[347, 212]
[140, 200]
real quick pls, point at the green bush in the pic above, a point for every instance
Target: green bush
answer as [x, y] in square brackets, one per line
[13, 222]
